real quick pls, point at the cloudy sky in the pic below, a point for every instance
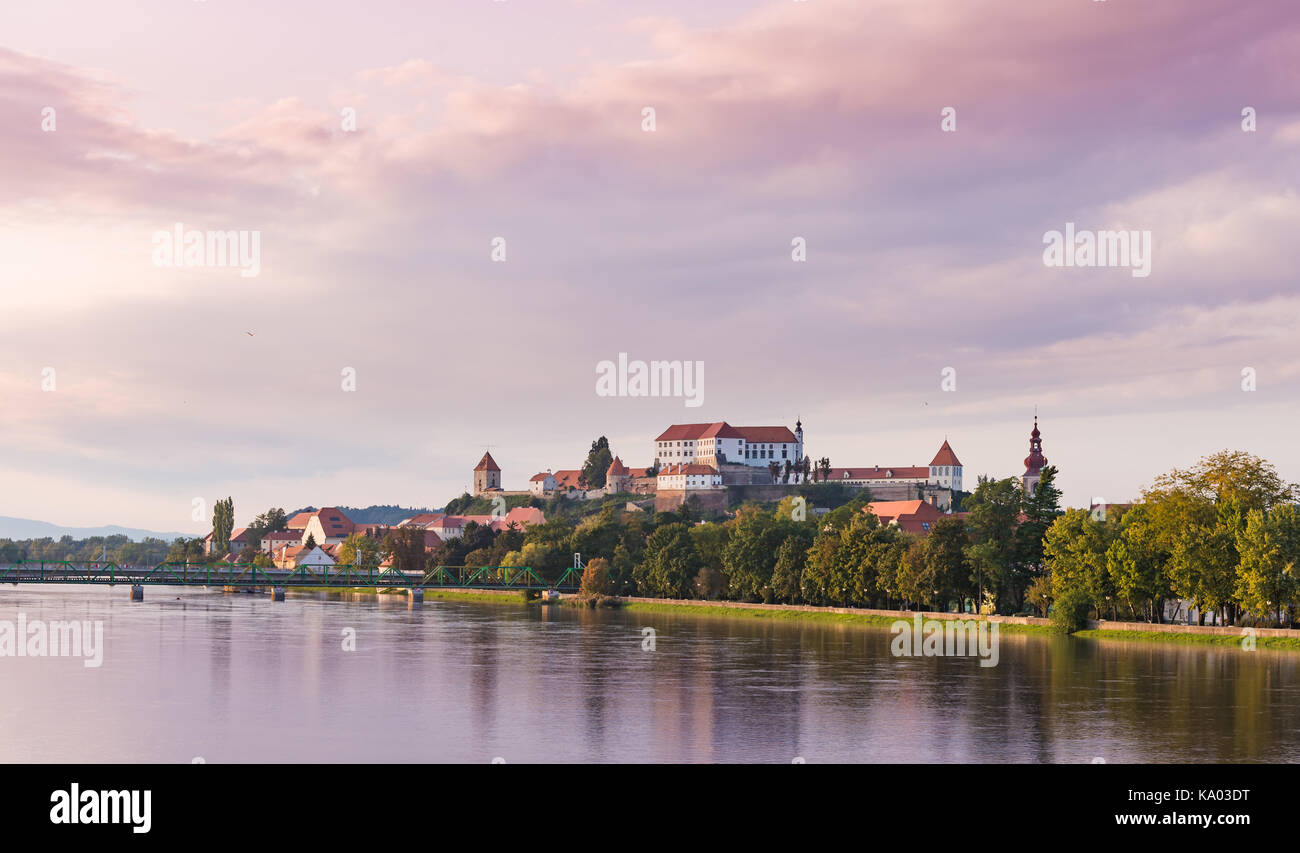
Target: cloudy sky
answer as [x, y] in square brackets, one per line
[523, 120]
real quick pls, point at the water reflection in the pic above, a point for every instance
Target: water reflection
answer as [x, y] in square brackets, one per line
[241, 678]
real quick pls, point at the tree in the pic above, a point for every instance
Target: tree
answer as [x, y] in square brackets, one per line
[311, 541]
[597, 465]
[1137, 565]
[361, 551]
[1075, 550]
[1267, 581]
[270, 521]
[671, 563]
[223, 522]
[595, 578]
[993, 512]
[406, 547]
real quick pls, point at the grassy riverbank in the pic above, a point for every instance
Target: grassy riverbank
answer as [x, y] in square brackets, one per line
[1189, 639]
[781, 614]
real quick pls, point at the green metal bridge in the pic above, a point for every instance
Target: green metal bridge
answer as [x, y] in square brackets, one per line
[247, 576]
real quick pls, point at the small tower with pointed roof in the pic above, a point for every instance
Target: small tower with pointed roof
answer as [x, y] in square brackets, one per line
[945, 468]
[617, 477]
[1034, 462]
[487, 475]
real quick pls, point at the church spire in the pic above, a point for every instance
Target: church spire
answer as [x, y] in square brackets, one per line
[1035, 461]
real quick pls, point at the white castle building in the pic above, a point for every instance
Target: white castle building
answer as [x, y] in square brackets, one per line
[716, 443]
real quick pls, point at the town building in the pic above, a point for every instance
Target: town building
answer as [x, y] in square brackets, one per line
[542, 485]
[692, 477]
[720, 443]
[915, 517]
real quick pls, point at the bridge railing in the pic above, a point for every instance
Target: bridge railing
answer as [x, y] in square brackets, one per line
[249, 575]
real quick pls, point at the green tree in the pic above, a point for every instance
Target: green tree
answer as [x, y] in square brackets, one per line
[361, 551]
[223, 522]
[597, 464]
[994, 510]
[671, 563]
[1269, 546]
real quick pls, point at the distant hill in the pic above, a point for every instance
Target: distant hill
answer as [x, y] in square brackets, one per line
[374, 514]
[26, 528]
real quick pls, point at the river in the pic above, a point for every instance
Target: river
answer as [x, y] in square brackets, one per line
[190, 674]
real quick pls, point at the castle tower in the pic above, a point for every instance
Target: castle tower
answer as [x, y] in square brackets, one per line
[617, 477]
[1034, 462]
[487, 475]
[945, 468]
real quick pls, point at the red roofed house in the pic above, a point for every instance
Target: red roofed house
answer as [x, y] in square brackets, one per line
[299, 521]
[273, 541]
[569, 479]
[487, 475]
[867, 476]
[328, 526]
[718, 443]
[689, 477]
[916, 517]
[541, 484]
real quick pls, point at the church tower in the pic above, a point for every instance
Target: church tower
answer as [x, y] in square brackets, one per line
[798, 440]
[487, 475]
[1034, 462]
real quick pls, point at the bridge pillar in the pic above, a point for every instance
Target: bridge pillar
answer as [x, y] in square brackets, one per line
[137, 592]
[414, 598]
[277, 593]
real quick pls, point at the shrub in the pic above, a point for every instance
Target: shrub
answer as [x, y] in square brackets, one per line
[1070, 610]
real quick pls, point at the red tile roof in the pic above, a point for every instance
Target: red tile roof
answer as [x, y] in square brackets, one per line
[880, 474]
[722, 429]
[299, 521]
[912, 516]
[767, 435]
[421, 519]
[334, 522]
[567, 478]
[538, 478]
[616, 468]
[945, 456]
[487, 463]
[637, 472]
[691, 432]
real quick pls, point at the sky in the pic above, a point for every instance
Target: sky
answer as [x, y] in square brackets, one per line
[129, 388]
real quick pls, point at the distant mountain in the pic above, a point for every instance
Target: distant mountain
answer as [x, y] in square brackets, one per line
[26, 528]
[374, 514]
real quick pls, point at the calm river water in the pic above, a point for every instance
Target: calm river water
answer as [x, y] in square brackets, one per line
[192, 674]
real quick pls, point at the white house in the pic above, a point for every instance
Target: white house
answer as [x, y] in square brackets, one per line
[716, 443]
[689, 477]
[541, 485]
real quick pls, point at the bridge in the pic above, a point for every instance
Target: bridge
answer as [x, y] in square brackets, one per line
[248, 576]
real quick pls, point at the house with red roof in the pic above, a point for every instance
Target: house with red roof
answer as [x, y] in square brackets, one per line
[915, 517]
[689, 477]
[720, 443]
[542, 484]
[328, 526]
